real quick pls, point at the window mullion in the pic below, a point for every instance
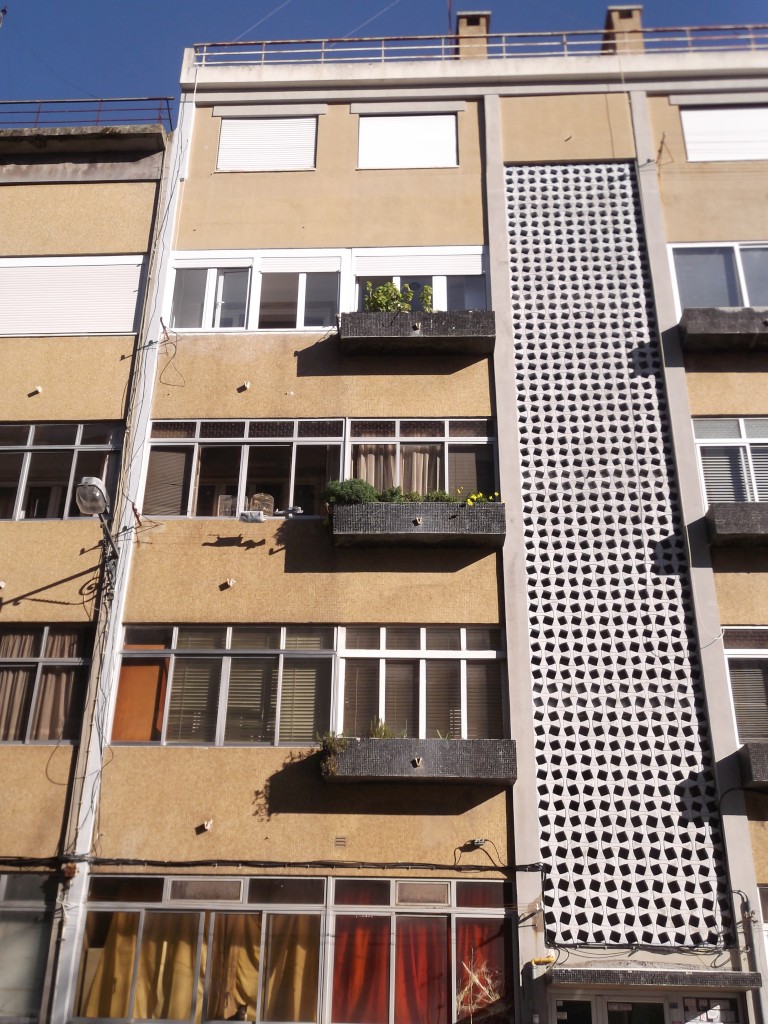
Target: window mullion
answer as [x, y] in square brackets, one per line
[301, 299]
[279, 695]
[166, 709]
[742, 279]
[19, 506]
[262, 960]
[242, 482]
[422, 698]
[209, 300]
[337, 712]
[136, 955]
[221, 715]
[382, 689]
[292, 475]
[194, 479]
[392, 964]
[35, 696]
[751, 477]
[463, 689]
[440, 292]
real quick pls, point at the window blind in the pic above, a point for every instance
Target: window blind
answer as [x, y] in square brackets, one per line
[401, 697]
[725, 476]
[443, 699]
[485, 717]
[361, 696]
[167, 482]
[408, 140]
[267, 144]
[194, 700]
[748, 685]
[252, 700]
[305, 699]
[726, 133]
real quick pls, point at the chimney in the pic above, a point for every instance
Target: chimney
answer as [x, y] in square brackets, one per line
[472, 29]
[623, 32]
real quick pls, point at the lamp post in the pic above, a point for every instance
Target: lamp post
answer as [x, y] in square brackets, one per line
[92, 500]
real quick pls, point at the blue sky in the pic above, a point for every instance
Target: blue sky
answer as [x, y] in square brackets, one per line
[53, 49]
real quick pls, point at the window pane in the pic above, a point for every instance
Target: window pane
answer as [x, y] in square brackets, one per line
[361, 970]
[756, 427]
[366, 892]
[760, 467]
[444, 699]
[55, 433]
[140, 700]
[403, 638]
[470, 469]
[485, 714]
[483, 638]
[64, 642]
[23, 955]
[231, 298]
[47, 482]
[471, 428]
[316, 465]
[106, 964]
[13, 433]
[234, 979]
[269, 472]
[321, 428]
[218, 477]
[755, 265]
[100, 433]
[222, 428]
[16, 687]
[361, 696]
[321, 301]
[375, 463]
[229, 890]
[252, 701]
[362, 287]
[466, 292]
[28, 886]
[256, 637]
[168, 475]
[167, 960]
[717, 428]
[373, 428]
[309, 638]
[59, 704]
[401, 697]
[363, 638]
[422, 428]
[188, 297]
[125, 889]
[271, 428]
[421, 971]
[202, 637]
[194, 700]
[286, 890]
[416, 284]
[725, 473]
[148, 637]
[749, 685]
[480, 894]
[10, 471]
[707, 277]
[176, 428]
[20, 641]
[291, 967]
[480, 974]
[279, 301]
[305, 702]
[443, 638]
[421, 467]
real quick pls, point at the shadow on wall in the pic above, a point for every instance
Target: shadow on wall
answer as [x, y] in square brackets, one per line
[324, 359]
[298, 788]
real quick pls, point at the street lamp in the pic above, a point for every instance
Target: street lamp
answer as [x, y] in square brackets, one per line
[92, 500]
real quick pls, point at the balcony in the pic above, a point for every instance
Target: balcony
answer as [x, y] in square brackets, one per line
[491, 762]
[466, 332]
[753, 758]
[724, 328]
[419, 524]
[737, 523]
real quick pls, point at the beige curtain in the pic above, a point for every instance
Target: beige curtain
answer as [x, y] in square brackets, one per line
[421, 467]
[375, 463]
[292, 958]
[15, 695]
[234, 977]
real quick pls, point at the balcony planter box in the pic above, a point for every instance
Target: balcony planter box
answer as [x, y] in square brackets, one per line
[753, 758]
[492, 762]
[466, 332]
[419, 524]
[714, 329]
[738, 523]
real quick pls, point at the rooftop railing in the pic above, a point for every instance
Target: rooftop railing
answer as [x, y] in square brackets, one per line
[535, 44]
[86, 113]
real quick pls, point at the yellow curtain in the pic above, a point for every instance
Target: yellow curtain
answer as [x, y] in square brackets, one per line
[292, 957]
[166, 978]
[234, 977]
[107, 964]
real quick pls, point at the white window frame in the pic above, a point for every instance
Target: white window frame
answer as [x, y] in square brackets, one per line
[379, 147]
[743, 653]
[43, 917]
[274, 156]
[743, 443]
[736, 247]
[725, 133]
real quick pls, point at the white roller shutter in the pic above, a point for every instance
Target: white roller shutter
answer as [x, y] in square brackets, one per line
[418, 264]
[748, 684]
[726, 133]
[408, 140]
[267, 144]
[69, 297]
[725, 473]
[300, 264]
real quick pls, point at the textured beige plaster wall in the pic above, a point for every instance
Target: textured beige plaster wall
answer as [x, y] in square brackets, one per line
[76, 219]
[594, 126]
[35, 781]
[335, 204]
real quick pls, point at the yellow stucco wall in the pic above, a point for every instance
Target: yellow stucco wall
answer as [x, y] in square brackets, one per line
[581, 127]
[50, 570]
[81, 378]
[757, 810]
[76, 219]
[727, 384]
[706, 201]
[35, 782]
[291, 572]
[300, 375]
[335, 204]
[741, 580]
[271, 804]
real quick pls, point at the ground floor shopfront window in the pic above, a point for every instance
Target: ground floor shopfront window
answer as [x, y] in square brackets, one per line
[362, 951]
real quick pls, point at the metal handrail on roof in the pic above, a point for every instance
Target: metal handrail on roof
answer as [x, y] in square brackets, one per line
[79, 113]
[581, 43]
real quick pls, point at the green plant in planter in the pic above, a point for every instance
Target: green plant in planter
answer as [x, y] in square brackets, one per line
[395, 496]
[331, 744]
[379, 730]
[388, 298]
[350, 492]
[441, 496]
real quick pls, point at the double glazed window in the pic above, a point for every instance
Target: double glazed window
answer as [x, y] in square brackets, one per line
[43, 675]
[428, 681]
[424, 455]
[224, 467]
[293, 950]
[721, 275]
[42, 463]
[747, 652]
[272, 684]
[25, 931]
[237, 298]
[243, 685]
[733, 454]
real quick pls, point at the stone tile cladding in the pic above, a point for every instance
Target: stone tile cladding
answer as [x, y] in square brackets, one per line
[627, 807]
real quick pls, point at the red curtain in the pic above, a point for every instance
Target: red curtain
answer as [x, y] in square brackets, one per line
[480, 977]
[421, 971]
[361, 970]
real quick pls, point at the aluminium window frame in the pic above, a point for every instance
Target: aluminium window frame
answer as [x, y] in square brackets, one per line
[733, 654]
[45, 910]
[73, 448]
[743, 443]
[736, 247]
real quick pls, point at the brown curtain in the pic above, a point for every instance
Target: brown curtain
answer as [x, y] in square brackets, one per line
[16, 686]
[59, 704]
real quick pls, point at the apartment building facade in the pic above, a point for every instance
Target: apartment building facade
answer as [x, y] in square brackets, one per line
[421, 760]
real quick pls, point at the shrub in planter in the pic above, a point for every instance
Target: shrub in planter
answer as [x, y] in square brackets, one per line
[388, 298]
[350, 492]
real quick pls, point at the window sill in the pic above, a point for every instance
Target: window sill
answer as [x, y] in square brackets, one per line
[724, 328]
